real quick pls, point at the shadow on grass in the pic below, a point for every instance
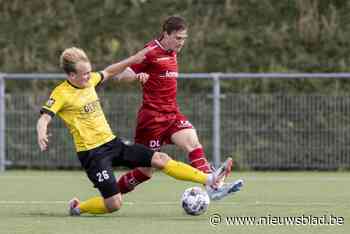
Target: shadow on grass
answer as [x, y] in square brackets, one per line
[144, 216]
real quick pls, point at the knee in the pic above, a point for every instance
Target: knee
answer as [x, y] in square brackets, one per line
[159, 160]
[191, 145]
[113, 203]
[194, 145]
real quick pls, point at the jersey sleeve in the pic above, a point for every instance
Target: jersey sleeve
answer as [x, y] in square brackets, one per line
[96, 78]
[141, 67]
[54, 104]
[137, 68]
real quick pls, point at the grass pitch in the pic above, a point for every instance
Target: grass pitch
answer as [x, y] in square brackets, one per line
[35, 202]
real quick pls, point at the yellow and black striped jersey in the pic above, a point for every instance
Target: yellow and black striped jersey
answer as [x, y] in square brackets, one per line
[81, 111]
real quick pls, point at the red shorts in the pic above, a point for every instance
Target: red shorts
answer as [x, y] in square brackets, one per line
[155, 129]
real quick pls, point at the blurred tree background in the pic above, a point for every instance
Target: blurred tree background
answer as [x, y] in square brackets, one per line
[224, 36]
[307, 121]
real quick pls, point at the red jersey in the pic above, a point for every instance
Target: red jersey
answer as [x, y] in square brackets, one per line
[159, 92]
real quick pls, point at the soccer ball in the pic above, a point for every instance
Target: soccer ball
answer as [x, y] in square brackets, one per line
[195, 201]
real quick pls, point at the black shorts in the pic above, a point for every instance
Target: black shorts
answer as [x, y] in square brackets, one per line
[99, 162]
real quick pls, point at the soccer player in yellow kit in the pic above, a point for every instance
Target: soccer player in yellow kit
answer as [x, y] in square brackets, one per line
[76, 102]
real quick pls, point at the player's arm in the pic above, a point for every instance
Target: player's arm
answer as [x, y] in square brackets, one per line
[129, 75]
[53, 105]
[116, 68]
[41, 129]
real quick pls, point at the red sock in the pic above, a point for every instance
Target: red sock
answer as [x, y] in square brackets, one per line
[198, 160]
[130, 180]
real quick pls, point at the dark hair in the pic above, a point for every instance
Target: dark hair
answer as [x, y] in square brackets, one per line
[173, 24]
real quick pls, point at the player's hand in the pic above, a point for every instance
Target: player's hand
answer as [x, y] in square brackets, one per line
[43, 140]
[142, 77]
[141, 55]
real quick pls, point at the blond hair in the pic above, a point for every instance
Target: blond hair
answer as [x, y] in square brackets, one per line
[70, 57]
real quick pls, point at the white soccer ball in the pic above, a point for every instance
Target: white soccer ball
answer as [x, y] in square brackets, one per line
[195, 201]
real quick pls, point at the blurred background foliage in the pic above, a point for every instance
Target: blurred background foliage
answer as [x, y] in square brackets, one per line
[224, 36]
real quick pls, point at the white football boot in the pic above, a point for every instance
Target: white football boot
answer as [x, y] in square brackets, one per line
[224, 190]
[216, 188]
[222, 172]
[73, 208]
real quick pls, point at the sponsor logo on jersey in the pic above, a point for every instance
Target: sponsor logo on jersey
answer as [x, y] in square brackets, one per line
[184, 124]
[169, 74]
[50, 102]
[154, 144]
[91, 107]
[163, 58]
[133, 181]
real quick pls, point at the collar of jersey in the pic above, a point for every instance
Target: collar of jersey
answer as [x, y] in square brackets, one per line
[160, 45]
[73, 85]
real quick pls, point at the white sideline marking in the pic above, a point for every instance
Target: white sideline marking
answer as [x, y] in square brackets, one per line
[164, 203]
[279, 178]
[247, 178]
[313, 176]
[304, 179]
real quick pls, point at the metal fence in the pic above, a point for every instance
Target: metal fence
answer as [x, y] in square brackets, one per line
[260, 131]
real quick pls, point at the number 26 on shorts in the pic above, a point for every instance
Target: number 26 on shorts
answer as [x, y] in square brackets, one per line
[102, 176]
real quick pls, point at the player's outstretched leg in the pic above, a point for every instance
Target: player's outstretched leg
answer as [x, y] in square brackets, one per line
[95, 205]
[92, 206]
[128, 181]
[182, 171]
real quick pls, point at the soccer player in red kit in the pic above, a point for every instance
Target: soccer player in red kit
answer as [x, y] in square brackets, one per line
[159, 119]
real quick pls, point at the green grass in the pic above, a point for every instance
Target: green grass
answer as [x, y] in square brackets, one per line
[35, 202]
